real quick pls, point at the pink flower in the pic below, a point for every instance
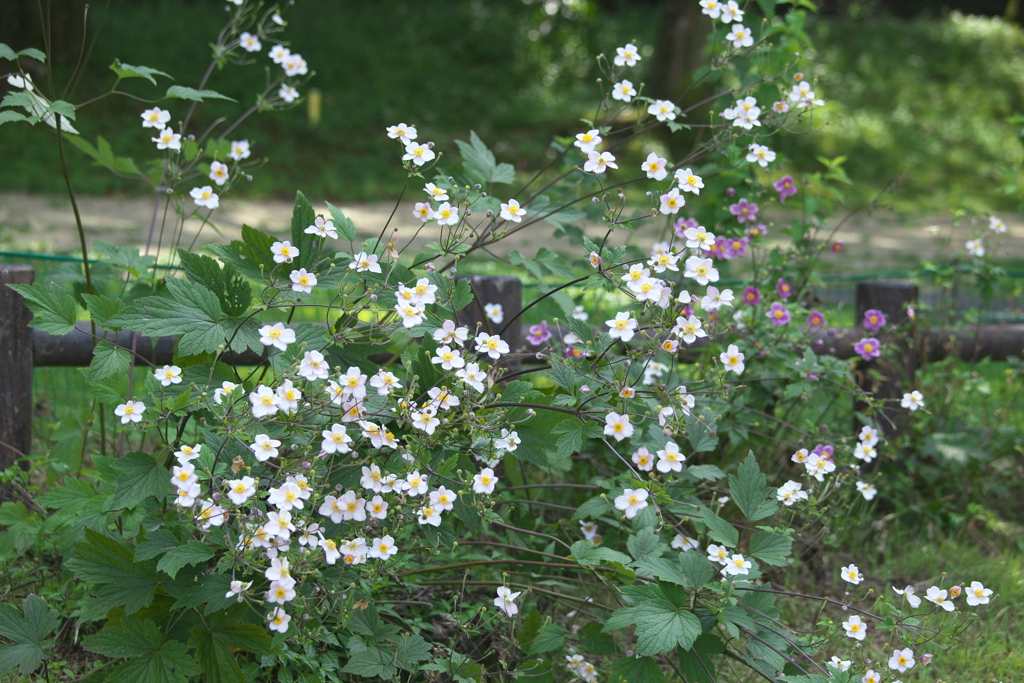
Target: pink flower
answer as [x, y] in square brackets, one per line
[683, 223]
[786, 187]
[815, 320]
[752, 295]
[538, 334]
[783, 289]
[744, 211]
[778, 314]
[868, 348]
[873, 319]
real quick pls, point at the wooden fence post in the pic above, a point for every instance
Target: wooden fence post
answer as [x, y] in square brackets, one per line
[495, 289]
[15, 368]
[885, 377]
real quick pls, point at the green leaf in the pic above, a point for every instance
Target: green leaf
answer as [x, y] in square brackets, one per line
[233, 292]
[215, 639]
[551, 637]
[588, 554]
[636, 670]
[719, 529]
[190, 553]
[71, 497]
[101, 308]
[9, 116]
[705, 472]
[660, 625]
[128, 71]
[771, 547]
[184, 93]
[700, 437]
[7, 53]
[372, 663]
[108, 360]
[346, 228]
[28, 635]
[157, 543]
[697, 567]
[663, 569]
[411, 650]
[33, 53]
[571, 433]
[480, 161]
[749, 492]
[54, 309]
[302, 217]
[141, 477]
[65, 109]
[193, 312]
[102, 560]
[645, 543]
[462, 295]
[593, 508]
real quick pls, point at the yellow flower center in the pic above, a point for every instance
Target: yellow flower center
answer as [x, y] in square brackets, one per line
[634, 499]
[128, 410]
[239, 488]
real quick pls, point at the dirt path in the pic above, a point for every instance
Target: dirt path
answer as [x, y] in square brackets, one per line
[45, 224]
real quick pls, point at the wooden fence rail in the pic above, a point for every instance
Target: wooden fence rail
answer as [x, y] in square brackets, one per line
[22, 349]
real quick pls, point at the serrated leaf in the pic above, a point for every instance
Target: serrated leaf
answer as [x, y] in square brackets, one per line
[157, 543]
[170, 663]
[705, 472]
[302, 217]
[588, 554]
[593, 508]
[102, 560]
[771, 547]
[410, 650]
[190, 553]
[697, 568]
[72, 496]
[184, 93]
[462, 295]
[233, 292]
[108, 360]
[550, 637]
[193, 311]
[754, 499]
[346, 228]
[220, 634]
[54, 309]
[28, 635]
[33, 53]
[10, 116]
[141, 477]
[663, 569]
[660, 626]
[636, 670]
[128, 71]
[645, 543]
[101, 308]
[719, 529]
[480, 161]
[65, 109]
[372, 662]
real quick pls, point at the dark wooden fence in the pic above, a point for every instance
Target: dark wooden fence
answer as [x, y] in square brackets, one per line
[906, 347]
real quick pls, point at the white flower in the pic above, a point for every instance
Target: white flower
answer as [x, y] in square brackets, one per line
[713, 299]
[670, 459]
[286, 497]
[302, 281]
[684, 543]
[249, 42]
[473, 376]
[737, 565]
[495, 313]
[277, 335]
[377, 508]
[818, 466]
[867, 490]
[448, 333]
[183, 476]
[331, 552]
[791, 492]
[864, 451]
[279, 53]
[505, 603]
[218, 172]
[446, 214]
[426, 419]
[975, 248]
[335, 440]
[855, 627]
[313, 366]
[698, 238]
[913, 400]
[995, 223]
[385, 382]
[701, 269]
[205, 196]
[718, 553]
[631, 501]
[977, 594]
[712, 8]
[508, 442]
[868, 435]
[626, 56]
[851, 574]
[761, 155]
[438, 194]
[323, 229]
[910, 595]
[744, 114]
[491, 344]
[239, 150]
[939, 597]
[187, 453]
[278, 620]
[512, 211]
[402, 132]
[588, 142]
[599, 162]
[283, 252]
[241, 490]
[417, 153]
[226, 389]
[484, 482]
[155, 118]
[130, 411]
[871, 677]
[294, 65]
[168, 375]
[672, 202]
[288, 93]
[429, 515]
[618, 426]
[622, 326]
[237, 588]
[688, 182]
[168, 139]
[442, 499]
[411, 315]
[688, 329]
[731, 12]
[840, 664]
[741, 36]
[663, 110]
[733, 359]
[264, 448]
[902, 660]
[382, 549]
[623, 91]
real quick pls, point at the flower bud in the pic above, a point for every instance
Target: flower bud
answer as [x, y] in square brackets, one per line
[585, 389]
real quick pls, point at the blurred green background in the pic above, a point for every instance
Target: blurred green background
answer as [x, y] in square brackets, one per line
[916, 90]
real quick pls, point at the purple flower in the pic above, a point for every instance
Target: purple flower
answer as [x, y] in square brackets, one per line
[824, 449]
[778, 314]
[759, 230]
[815, 320]
[717, 249]
[786, 187]
[874, 319]
[538, 334]
[730, 192]
[783, 289]
[734, 247]
[683, 223]
[744, 211]
[752, 295]
[868, 348]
